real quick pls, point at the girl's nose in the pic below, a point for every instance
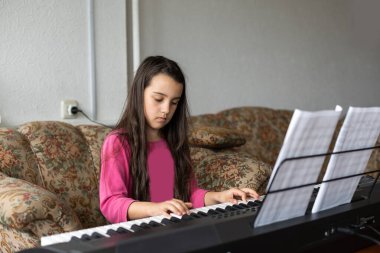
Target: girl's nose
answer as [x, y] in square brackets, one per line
[165, 108]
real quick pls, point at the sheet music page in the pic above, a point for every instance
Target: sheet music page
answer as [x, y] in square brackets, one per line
[309, 133]
[360, 129]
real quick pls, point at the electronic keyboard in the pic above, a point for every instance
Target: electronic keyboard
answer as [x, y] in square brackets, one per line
[150, 222]
[229, 228]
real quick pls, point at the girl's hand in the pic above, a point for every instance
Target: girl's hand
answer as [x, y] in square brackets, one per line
[234, 194]
[174, 206]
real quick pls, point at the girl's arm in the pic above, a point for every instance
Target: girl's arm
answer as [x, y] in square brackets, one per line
[232, 195]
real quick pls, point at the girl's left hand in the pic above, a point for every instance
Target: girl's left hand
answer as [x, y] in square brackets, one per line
[234, 194]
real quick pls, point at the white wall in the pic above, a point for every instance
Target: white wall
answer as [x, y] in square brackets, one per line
[307, 54]
[44, 58]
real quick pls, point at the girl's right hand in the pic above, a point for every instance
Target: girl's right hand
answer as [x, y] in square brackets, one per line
[174, 206]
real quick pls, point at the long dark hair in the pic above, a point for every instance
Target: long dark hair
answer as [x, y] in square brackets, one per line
[133, 126]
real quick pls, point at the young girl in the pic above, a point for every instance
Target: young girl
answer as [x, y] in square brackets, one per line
[145, 161]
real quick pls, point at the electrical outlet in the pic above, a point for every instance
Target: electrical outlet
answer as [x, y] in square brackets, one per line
[66, 106]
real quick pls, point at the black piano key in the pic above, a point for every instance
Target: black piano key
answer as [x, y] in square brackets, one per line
[253, 203]
[201, 213]
[221, 210]
[75, 238]
[145, 225]
[166, 221]
[212, 212]
[154, 224]
[96, 235]
[238, 207]
[231, 208]
[195, 215]
[111, 232]
[136, 228]
[186, 217]
[122, 230]
[243, 205]
[85, 237]
[175, 219]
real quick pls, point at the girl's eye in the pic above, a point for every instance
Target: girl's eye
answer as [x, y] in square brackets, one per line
[175, 102]
[158, 99]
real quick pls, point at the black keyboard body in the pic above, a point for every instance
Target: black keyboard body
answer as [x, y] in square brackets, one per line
[233, 231]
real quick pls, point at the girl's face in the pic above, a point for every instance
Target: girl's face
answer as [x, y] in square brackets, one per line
[161, 98]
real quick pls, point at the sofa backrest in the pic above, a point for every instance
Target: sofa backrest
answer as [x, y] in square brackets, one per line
[60, 157]
[263, 128]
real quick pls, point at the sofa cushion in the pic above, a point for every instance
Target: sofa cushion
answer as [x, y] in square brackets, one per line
[223, 170]
[215, 137]
[16, 157]
[28, 206]
[13, 240]
[67, 167]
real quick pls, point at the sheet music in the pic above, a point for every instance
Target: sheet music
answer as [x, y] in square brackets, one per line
[360, 129]
[309, 133]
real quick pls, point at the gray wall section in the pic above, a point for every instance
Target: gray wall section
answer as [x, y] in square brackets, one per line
[288, 54]
[307, 54]
[44, 58]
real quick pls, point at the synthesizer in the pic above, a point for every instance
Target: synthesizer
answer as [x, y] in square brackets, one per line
[150, 222]
[228, 228]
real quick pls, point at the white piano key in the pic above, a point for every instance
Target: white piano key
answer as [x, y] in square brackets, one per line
[119, 225]
[176, 215]
[129, 224]
[158, 218]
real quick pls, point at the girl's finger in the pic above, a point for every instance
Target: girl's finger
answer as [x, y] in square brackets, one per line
[180, 206]
[172, 208]
[251, 192]
[238, 194]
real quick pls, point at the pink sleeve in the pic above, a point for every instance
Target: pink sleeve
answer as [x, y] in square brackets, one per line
[114, 180]
[197, 197]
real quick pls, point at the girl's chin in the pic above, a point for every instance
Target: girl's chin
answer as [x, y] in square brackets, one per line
[157, 125]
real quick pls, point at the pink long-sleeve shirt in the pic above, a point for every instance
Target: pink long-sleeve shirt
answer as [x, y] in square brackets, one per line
[115, 179]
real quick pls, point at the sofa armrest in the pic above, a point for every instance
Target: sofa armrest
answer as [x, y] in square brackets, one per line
[30, 208]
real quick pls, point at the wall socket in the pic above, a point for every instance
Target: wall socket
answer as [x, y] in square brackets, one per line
[66, 106]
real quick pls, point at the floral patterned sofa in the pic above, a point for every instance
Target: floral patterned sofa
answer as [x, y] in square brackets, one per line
[49, 170]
